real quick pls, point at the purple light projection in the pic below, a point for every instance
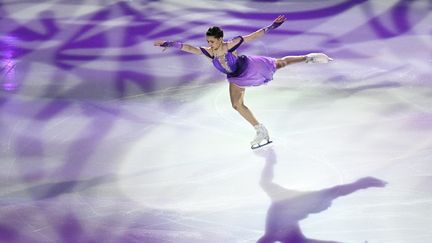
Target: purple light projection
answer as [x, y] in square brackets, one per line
[8, 65]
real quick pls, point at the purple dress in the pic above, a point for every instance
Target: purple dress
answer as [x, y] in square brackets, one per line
[245, 71]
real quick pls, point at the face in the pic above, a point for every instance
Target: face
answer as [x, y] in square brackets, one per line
[214, 42]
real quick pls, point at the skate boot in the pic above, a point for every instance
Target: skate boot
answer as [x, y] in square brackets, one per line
[262, 138]
[317, 58]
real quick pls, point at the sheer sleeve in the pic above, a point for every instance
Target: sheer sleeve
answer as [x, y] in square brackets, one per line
[206, 52]
[237, 45]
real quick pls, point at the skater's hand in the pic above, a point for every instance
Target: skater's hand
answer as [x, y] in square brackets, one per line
[280, 19]
[160, 43]
[276, 23]
[165, 44]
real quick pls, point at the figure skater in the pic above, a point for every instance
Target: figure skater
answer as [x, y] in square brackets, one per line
[245, 70]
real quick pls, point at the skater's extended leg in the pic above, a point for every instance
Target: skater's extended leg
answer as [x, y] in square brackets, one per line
[284, 61]
[309, 58]
[237, 97]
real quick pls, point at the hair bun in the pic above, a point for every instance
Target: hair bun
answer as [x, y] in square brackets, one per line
[215, 31]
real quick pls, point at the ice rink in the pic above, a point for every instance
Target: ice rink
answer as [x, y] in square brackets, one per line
[105, 138]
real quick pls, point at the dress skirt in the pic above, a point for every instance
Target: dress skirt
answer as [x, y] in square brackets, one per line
[259, 71]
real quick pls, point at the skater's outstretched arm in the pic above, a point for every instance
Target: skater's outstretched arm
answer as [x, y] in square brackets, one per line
[253, 36]
[178, 45]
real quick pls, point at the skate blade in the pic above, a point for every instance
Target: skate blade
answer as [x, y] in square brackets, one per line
[261, 145]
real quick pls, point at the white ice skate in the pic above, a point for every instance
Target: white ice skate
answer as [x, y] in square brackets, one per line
[262, 138]
[318, 58]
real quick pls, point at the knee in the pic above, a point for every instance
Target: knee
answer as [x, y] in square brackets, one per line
[280, 63]
[237, 106]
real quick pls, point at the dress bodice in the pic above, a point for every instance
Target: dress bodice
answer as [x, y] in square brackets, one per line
[229, 63]
[225, 63]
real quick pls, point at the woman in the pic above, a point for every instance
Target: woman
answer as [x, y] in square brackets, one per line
[244, 71]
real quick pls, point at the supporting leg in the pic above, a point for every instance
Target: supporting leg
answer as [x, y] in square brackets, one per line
[237, 98]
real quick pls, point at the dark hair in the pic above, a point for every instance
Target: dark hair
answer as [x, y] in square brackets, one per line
[215, 32]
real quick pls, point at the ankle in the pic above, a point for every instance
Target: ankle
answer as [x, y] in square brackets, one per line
[258, 126]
